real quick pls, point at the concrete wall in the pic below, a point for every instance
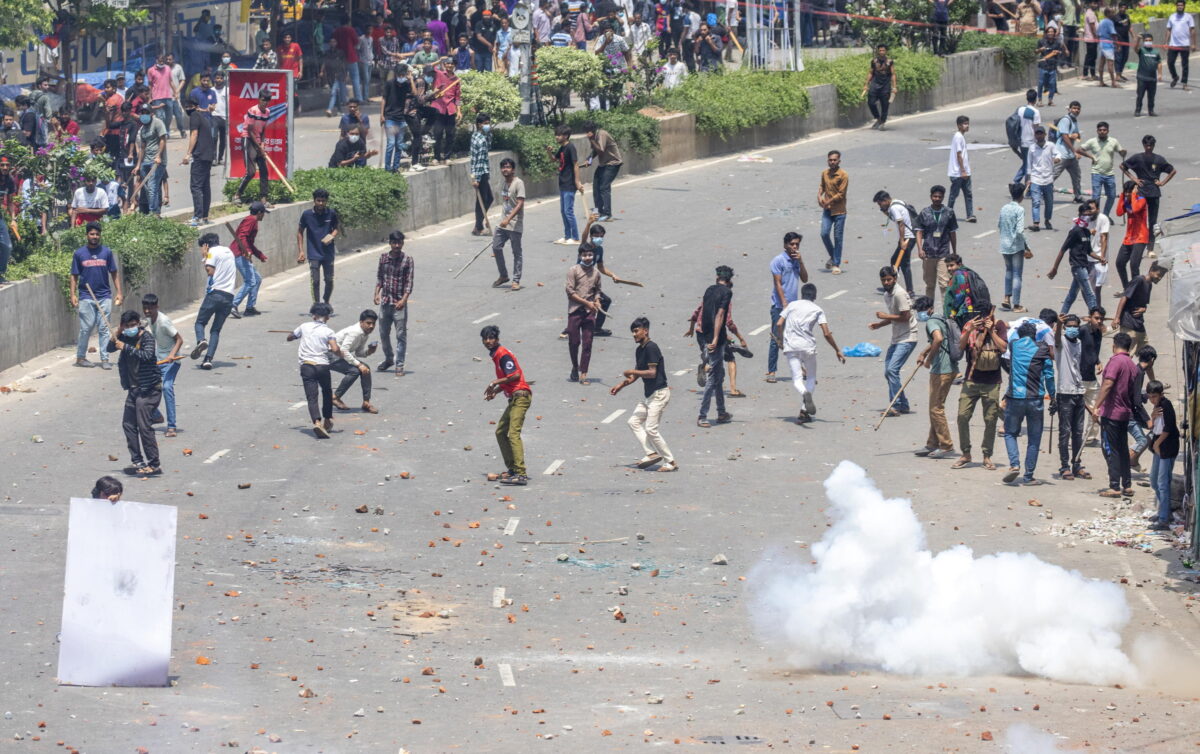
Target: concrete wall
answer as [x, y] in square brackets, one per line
[443, 193]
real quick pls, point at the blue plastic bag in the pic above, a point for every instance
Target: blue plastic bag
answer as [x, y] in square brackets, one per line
[862, 349]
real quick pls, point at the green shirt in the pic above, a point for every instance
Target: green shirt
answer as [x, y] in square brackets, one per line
[423, 58]
[940, 362]
[1103, 152]
[1149, 61]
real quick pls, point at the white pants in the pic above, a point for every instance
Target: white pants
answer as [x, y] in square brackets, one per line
[644, 424]
[804, 370]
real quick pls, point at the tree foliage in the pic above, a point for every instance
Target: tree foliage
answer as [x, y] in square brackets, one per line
[20, 21]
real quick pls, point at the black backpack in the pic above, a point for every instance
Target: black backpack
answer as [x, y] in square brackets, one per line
[1012, 128]
[981, 297]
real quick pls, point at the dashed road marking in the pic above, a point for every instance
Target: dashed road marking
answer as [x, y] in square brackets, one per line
[498, 596]
[612, 417]
[297, 405]
[835, 294]
[750, 220]
[511, 527]
[216, 456]
[985, 234]
[998, 151]
[506, 675]
[923, 170]
[486, 317]
[670, 246]
[761, 330]
[681, 372]
[554, 466]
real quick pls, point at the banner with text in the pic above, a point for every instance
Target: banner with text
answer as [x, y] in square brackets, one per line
[244, 88]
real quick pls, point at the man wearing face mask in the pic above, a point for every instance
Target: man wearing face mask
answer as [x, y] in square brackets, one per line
[140, 378]
[583, 303]
[350, 151]
[227, 64]
[151, 146]
[481, 142]
[1070, 386]
[162, 91]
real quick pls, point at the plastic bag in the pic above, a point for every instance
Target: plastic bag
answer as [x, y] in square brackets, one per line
[862, 349]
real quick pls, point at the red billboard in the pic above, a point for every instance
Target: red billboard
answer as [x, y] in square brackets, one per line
[244, 88]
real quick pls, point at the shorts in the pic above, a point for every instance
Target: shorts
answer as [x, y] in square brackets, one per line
[1099, 274]
[1108, 53]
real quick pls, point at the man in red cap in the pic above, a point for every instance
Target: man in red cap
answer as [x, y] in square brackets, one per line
[483, 43]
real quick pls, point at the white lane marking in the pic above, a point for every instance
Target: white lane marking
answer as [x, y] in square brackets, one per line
[511, 527]
[670, 246]
[216, 456]
[486, 317]
[924, 170]
[612, 417]
[985, 234]
[998, 151]
[506, 675]
[836, 294]
[752, 219]
[761, 330]
[554, 466]
[498, 596]
[297, 405]
[682, 372]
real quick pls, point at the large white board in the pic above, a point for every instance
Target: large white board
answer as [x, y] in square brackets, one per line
[118, 594]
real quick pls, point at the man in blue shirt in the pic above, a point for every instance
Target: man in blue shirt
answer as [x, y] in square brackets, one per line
[1107, 33]
[314, 241]
[91, 267]
[204, 94]
[1031, 378]
[787, 272]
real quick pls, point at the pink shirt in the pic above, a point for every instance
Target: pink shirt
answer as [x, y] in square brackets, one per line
[255, 121]
[159, 80]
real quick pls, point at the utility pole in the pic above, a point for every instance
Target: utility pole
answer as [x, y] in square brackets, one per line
[523, 37]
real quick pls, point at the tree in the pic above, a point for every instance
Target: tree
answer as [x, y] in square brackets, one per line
[19, 24]
[78, 18]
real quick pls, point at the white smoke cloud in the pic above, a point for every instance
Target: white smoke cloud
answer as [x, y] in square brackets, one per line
[877, 597]
[1025, 739]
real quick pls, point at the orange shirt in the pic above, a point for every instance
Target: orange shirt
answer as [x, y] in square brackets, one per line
[1136, 230]
[289, 57]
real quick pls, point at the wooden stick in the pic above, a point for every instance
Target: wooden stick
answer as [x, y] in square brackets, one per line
[479, 200]
[170, 359]
[468, 264]
[898, 394]
[274, 167]
[287, 332]
[629, 282]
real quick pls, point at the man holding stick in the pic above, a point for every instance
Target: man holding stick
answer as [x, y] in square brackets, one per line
[481, 143]
[254, 153]
[92, 266]
[167, 343]
[900, 316]
[511, 225]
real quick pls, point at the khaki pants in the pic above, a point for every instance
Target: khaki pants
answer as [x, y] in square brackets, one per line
[1091, 391]
[936, 275]
[1139, 340]
[644, 424]
[939, 429]
[508, 431]
[972, 393]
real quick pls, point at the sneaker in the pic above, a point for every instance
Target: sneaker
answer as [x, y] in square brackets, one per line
[701, 375]
[199, 349]
[320, 431]
[385, 366]
[574, 376]
[83, 363]
[251, 312]
[105, 365]
[194, 222]
[810, 406]
[1048, 225]
[724, 417]
[924, 452]
[829, 265]
[602, 333]
[235, 313]
[1011, 475]
[972, 219]
[1137, 113]
[1159, 526]
[835, 270]
[500, 281]
[516, 480]
[418, 168]
[206, 365]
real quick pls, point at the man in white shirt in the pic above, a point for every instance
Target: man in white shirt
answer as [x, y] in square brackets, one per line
[1068, 142]
[673, 71]
[691, 24]
[1030, 118]
[221, 114]
[317, 341]
[1039, 177]
[352, 341]
[178, 78]
[218, 301]
[89, 203]
[1182, 27]
[639, 36]
[906, 237]
[959, 171]
[899, 315]
[167, 343]
[1100, 225]
[798, 323]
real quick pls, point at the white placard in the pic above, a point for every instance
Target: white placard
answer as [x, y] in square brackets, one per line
[118, 594]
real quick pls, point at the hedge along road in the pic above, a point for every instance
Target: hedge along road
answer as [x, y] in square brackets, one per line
[743, 489]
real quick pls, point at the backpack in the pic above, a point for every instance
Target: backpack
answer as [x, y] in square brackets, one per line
[952, 341]
[912, 212]
[981, 297]
[1012, 129]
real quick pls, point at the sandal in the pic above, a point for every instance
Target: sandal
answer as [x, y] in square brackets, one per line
[1082, 473]
[961, 463]
[1065, 475]
[770, 378]
[1127, 492]
[736, 394]
[667, 467]
[170, 432]
[987, 464]
[1110, 493]
[703, 423]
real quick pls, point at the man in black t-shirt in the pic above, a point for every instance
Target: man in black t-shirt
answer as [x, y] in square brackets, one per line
[483, 40]
[1144, 169]
[713, 316]
[569, 182]
[1131, 309]
[651, 369]
[201, 151]
[392, 110]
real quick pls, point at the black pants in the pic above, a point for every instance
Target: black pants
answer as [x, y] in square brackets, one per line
[483, 202]
[1071, 413]
[938, 38]
[255, 162]
[417, 127]
[201, 186]
[1070, 34]
[877, 100]
[314, 377]
[902, 262]
[139, 432]
[1146, 89]
[222, 135]
[351, 375]
[605, 303]
[602, 183]
[1121, 56]
[315, 267]
[1151, 217]
[1130, 255]
[443, 136]
[1115, 440]
[1089, 58]
[1181, 53]
[688, 50]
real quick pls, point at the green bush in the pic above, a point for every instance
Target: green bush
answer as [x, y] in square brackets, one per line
[640, 132]
[915, 72]
[491, 93]
[566, 69]
[277, 193]
[363, 197]
[139, 241]
[727, 102]
[1143, 15]
[529, 143]
[1018, 51]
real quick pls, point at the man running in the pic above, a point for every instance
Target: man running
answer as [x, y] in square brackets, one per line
[787, 272]
[798, 323]
[650, 368]
[717, 299]
[317, 341]
[218, 301]
[510, 380]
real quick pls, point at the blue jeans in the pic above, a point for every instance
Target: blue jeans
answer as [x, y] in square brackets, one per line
[394, 131]
[250, 282]
[168, 372]
[337, 95]
[483, 61]
[1047, 82]
[1140, 439]
[1080, 281]
[566, 206]
[1042, 195]
[5, 248]
[715, 386]
[216, 306]
[1104, 184]
[773, 346]
[897, 355]
[91, 319]
[363, 85]
[170, 107]
[1014, 266]
[356, 82]
[836, 224]
[1160, 482]
[152, 188]
[1020, 176]
[1029, 411]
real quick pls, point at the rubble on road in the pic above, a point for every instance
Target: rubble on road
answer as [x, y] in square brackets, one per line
[1124, 524]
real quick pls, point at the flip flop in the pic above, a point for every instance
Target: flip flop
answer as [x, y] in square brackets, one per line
[989, 465]
[1110, 493]
[170, 432]
[736, 394]
[703, 423]
[961, 463]
[1083, 474]
[771, 378]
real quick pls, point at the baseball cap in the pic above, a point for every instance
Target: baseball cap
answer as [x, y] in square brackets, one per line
[256, 207]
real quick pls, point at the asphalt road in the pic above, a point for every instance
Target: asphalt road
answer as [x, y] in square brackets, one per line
[331, 600]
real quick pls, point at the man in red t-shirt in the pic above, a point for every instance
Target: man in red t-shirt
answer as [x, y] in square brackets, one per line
[291, 57]
[511, 381]
[254, 152]
[346, 40]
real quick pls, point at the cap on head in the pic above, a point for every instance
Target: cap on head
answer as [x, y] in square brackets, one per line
[256, 207]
